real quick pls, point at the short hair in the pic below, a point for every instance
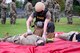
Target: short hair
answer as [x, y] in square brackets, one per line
[39, 6]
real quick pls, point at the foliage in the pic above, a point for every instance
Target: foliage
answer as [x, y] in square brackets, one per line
[62, 4]
[19, 4]
[76, 7]
[76, 2]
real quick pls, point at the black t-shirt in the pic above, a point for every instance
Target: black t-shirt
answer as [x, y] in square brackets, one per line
[41, 16]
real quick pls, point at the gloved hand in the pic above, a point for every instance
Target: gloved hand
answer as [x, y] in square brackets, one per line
[44, 37]
[29, 32]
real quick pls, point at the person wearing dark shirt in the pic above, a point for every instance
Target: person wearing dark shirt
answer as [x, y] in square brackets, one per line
[42, 21]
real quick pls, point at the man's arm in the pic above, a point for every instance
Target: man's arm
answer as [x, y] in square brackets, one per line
[47, 20]
[28, 22]
[45, 25]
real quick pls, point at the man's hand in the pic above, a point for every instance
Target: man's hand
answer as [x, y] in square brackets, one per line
[29, 32]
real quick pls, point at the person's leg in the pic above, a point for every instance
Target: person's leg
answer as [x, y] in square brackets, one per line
[13, 39]
[67, 36]
[68, 19]
[14, 18]
[11, 15]
[2, 19]
[71, 21]
[58, 16]
[5, 18]
[67, 15]
[52, 19]
[4, 38]
[64, 36]
[50, 31]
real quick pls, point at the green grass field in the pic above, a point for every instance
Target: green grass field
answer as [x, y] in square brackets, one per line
[20, 26]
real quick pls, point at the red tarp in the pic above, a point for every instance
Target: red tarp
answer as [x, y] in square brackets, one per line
[59, 46]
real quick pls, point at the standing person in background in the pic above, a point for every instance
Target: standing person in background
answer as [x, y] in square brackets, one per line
[42, 20]
[56, 11]
[3, 11]
[28, 8]
[13, 13]
[50, 5]
[68, 10]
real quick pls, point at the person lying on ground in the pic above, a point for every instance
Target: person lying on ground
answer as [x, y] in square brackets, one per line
[24, 39]
[70, 36]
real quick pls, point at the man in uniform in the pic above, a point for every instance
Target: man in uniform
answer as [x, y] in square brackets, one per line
[68, 10]
[28, 8]
[50, 5]
[13, 12]
[3, 11]
[56, 11]
[42, 21]
[24, 39]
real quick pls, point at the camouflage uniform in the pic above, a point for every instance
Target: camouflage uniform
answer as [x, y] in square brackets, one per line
[57, 12]
[13, 12]
[67, 36]
[50, 4]
[18, 39]
[3, 12]
[28, 9]
[68, 10]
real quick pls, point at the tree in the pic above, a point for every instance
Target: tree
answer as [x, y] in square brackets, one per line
[76, 2]
[62, 4]
[76, 7]
[19, 4]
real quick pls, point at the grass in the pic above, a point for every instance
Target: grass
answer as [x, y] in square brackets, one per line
[20, 26]
[64, 27]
